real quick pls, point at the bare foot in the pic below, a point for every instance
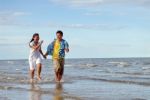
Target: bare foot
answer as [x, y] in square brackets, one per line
[56, 80]
[62, 81]
[31, 80]
[39, 78]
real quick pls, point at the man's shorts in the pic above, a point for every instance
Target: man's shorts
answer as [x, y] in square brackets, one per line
[59, 65]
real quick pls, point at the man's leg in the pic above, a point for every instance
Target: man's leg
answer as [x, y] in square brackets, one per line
[61, 69]
[56, 65]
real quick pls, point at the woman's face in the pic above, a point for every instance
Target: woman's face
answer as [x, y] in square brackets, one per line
[36, 38]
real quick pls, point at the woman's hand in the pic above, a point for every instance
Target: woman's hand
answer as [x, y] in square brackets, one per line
[44, 56]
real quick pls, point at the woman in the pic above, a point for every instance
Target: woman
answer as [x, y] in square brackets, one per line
[35, 59]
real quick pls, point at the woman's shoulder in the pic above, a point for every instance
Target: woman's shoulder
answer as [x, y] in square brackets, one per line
[31, 43]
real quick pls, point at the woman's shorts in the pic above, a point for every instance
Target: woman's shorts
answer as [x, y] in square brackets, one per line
[34, 61]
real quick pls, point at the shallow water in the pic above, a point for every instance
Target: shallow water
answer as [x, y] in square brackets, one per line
[84, 79]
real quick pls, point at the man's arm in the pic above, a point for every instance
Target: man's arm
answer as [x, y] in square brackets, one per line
[49, 48]
[66, 46]
[67, 50]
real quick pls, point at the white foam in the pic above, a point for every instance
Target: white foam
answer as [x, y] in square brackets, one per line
[145, 68]
[91, 65]
[10, 62]
[121, 64]
[18, 69]
[68, 65]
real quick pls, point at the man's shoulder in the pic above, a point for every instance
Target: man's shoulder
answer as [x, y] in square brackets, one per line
[63, 40]
[53, 41]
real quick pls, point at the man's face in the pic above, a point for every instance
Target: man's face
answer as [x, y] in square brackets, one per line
[59, 36]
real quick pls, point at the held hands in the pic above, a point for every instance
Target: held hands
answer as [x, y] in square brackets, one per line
[44, 56]
[67, 50]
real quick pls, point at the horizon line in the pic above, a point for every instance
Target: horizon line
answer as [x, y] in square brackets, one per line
[83, 58]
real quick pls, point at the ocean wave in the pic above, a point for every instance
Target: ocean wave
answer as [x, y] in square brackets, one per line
[88, 65]
[10, 62]
[146, 68]
[145, 83]
[69, 65]
[22, 79]
[18, 69]
[91, 65]
[130, 73]
[120, 64]
[82, 65]
[146, 63]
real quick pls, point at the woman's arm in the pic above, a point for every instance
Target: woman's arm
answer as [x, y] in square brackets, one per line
[46, 54]
[37, 46]
[42, 54]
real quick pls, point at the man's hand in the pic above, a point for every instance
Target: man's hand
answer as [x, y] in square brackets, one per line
[67, 50]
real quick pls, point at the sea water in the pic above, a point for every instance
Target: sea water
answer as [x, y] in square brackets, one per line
[84, 79]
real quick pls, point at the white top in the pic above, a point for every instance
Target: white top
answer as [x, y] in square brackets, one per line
[34, 53]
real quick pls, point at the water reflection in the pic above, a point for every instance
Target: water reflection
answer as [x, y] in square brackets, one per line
[58, 92]
[35, 92]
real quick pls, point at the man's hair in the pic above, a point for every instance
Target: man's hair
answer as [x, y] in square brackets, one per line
[59, 32]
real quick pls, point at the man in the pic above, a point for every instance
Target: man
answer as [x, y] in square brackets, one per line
[57, 50]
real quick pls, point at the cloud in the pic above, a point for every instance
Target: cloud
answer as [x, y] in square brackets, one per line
[84, 2]
[13, 40]
[99, 12]
[93, 13]
[77, 3]
[94, 3]
[11, 18]
[20, 14]
[89, 26]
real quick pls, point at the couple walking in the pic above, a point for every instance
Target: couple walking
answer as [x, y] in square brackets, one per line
[56, 49]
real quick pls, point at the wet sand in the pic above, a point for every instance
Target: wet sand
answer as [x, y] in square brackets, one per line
[78, 90]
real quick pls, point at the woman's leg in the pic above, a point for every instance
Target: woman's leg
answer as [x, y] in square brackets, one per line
[39, 68]
[31, 63]
[32, 75]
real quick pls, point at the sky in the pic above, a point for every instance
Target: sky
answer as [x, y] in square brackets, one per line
[93, 28]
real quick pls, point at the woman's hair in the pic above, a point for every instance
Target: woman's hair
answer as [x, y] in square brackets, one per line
[34, 35]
